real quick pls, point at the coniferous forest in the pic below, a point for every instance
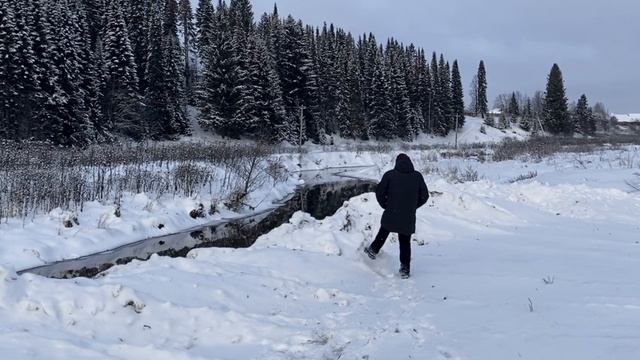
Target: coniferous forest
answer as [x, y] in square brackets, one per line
[77, 72]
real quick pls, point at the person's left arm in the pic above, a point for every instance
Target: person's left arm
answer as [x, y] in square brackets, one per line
[423, 191]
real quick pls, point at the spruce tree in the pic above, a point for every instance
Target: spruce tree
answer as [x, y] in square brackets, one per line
[504, 122]
[65, 120]
[174, 68]
[444, 121]
[583, 117]
[328, 81]
[526, 123]
[379, 113]
[157, 114]
[425, 91]
[17, 75]
[205, 26]
[555, 112]
[402, 116]
[270, 112]
[221, 79]
[457, 94]
[293, 62]
[8, 42]
[38, 23]
[91, 76]
[482, 102]
[188, 31]
[316, 129]
[514, 108]
[241, 16]
[435, 109]
[122, 108]
[136, 17]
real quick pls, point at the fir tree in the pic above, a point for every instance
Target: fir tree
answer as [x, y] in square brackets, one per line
[157, 113]
[270, 112]
[457, 94]
[489, 120]
[137, 25]
[174, 68]
[526, 123]
[316, 128]
[481, 101]
[513, 108]
[402, 116]
[188, 31]
[205, 26]
[583, 117]
[241, 16]
[435, 108]
[221, 93]
[504, 121]
[17, 75]
[444, 121]
[37, 23]
[293, 60]
[328, 81]
[65, 120]
[121, 99]
[556, 113]
[379, 115]
[92, 79]
[425, 91]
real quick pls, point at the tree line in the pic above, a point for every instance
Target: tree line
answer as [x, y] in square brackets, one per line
[85, 71]
[550, 111]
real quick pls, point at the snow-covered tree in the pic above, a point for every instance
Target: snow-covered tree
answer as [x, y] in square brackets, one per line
[583, 117]
[122, 107]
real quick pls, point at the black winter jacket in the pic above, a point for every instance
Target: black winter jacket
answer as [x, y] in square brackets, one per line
[401, 192]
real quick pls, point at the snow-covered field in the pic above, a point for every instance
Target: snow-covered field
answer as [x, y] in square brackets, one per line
[542, 268]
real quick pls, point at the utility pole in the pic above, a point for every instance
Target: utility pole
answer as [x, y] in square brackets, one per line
[301, 128]
[477, 97]
[430, 97]
[457, 116]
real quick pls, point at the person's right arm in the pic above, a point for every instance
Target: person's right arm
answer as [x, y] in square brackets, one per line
[382, 191]
[423, 191]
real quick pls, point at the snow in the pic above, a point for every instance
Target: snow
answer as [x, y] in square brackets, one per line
[468, 134]
[544, 268]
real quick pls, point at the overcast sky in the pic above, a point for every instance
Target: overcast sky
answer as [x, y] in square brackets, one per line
[595, 42]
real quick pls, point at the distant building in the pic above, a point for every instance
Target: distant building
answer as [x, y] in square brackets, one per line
[630, 122]
[627, 119]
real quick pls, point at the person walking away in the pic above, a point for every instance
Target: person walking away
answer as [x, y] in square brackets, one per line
[400, 193]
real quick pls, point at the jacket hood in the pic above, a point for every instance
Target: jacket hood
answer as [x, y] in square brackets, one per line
[404, 164]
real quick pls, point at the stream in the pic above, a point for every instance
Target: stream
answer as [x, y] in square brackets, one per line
[320, 198]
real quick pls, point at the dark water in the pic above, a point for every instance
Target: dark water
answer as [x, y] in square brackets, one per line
[319, 200]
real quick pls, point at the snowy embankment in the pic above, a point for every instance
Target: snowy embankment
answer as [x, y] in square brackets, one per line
[542, 268]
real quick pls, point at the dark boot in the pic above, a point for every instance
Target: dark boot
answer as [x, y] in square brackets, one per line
[404, 272]
[370, 253]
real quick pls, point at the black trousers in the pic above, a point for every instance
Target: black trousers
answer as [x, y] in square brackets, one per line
[405, 246]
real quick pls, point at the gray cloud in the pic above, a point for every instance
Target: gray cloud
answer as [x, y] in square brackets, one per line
[595, 42]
